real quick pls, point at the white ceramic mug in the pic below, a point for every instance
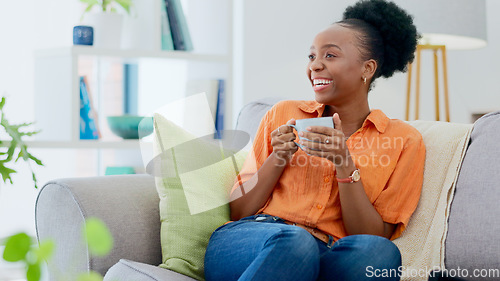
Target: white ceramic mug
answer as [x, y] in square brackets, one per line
[302, 124]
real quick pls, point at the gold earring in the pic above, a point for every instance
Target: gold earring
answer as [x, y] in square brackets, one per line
[364, 80]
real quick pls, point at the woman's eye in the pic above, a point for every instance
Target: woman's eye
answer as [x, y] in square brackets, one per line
[330, 55]
[311, 57]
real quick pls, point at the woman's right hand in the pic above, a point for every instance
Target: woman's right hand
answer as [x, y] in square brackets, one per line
[282, 140]
[261, 185]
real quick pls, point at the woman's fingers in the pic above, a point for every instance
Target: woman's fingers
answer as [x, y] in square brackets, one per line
[323, 143]
[279, 139]
[282, 140]
[320, 134]
[284, 129]
[286, 147]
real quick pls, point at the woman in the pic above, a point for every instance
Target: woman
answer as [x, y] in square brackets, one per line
[327, 211]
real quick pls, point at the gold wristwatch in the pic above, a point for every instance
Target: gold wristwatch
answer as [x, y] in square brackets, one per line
[354, 177]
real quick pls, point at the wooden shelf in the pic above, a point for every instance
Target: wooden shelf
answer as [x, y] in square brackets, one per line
[129, 54]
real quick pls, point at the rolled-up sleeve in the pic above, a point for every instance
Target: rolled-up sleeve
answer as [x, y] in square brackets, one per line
[399, 198]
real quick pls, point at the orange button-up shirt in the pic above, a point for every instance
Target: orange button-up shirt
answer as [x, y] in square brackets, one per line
[389, 153]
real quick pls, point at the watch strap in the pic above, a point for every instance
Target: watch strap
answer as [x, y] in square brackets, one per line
[349, 179]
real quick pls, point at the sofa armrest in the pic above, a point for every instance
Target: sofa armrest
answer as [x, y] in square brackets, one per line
[128, 205]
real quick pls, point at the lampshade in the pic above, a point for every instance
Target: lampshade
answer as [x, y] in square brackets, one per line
[457, 24]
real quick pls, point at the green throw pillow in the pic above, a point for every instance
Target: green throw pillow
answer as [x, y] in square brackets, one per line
[196, 177]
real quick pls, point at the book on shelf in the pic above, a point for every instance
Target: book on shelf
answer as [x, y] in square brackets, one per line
[178, 26]
[130, 88]
[89, 129]
[214, 90]
[167, 44]
[219, 118]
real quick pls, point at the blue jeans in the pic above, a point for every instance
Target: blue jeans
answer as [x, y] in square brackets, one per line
[263, 247]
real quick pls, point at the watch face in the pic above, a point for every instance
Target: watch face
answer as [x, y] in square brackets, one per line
[356, 176]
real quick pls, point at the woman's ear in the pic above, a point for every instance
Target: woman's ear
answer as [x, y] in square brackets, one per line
[370, 66]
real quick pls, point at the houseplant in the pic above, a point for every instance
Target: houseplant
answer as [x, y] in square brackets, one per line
[16, 143]
[106, 21]
[107, 5]
[20, 247]
[19, 244]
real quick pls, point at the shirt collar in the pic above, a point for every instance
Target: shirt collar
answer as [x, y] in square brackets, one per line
[312, 106]
[376, 117]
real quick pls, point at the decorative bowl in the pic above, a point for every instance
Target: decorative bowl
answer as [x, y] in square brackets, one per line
[130, 126]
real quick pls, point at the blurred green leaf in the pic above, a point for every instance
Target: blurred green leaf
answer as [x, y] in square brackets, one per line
[16, 142]
[98, 236]
[29, 156]
[33, 177]
[33, 273]
[105, 4]
[17, 247]
[89, 7]
[11, 150]
[125, 4]
[91, 276]
[90, 2]
[45, 250]
[5, 172]
[2, 103]
[37, 161]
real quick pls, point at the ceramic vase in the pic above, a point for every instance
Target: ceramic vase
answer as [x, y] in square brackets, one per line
[108, 28]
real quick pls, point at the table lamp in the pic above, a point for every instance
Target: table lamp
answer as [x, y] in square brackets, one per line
[444, 24]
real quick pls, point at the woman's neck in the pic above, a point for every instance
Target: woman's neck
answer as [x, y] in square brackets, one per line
[352, 117]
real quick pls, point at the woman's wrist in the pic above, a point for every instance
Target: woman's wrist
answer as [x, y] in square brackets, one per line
[278, 161]
[346, 168]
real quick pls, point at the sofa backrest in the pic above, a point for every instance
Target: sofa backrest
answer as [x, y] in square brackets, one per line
[474, 223]
[251, 114]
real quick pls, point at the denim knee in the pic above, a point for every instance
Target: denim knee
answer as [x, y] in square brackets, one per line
[386, 254]
[299, 242]
[355, 257]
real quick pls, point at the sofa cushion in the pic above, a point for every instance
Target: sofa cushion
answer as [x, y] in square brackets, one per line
[126, 270]
[422, 241]
[193, 183]
[474, 223]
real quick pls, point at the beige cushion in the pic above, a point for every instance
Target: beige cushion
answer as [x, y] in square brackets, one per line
[422, 243]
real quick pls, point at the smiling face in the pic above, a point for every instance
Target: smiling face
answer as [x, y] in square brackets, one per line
[335, 67]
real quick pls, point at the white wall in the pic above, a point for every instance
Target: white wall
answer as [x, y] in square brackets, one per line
[26, 26]
[277, 36]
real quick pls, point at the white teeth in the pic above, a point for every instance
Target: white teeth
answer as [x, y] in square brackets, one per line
[322, 82]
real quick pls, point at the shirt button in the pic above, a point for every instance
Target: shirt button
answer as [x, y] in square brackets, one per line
[319, 206]
[326, 179]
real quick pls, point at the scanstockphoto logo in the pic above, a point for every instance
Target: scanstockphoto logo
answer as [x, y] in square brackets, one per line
[187, 149]
[414, 273]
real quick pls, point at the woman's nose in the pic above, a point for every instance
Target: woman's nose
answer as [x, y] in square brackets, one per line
[316, 66]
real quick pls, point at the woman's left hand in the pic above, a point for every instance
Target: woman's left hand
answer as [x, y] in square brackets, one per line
[326, 142]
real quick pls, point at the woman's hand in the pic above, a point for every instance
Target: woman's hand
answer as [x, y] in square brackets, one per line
[282, 140]
[326, 142]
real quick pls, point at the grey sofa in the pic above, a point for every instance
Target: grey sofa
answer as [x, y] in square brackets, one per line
[129, 206]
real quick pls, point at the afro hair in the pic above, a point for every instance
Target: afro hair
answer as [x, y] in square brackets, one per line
[387, 34]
